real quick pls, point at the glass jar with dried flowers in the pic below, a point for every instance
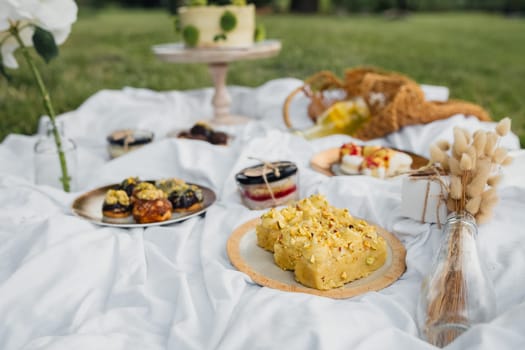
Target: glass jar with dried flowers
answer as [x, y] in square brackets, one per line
[457, 292]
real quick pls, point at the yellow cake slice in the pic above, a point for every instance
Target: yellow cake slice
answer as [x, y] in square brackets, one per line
[324, 245]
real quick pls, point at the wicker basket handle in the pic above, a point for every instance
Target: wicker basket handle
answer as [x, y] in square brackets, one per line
[313, 88]
[286, 106]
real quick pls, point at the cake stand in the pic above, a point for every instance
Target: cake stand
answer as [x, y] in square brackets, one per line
[217, 60]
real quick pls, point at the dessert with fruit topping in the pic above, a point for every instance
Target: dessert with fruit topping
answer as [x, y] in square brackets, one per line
[121, 142]
[375, 161]
[325, 246]
[268, 185]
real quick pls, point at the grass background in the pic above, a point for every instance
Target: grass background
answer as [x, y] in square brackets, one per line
[480, 57]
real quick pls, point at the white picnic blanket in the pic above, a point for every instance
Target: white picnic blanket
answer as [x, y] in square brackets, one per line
[68, 284]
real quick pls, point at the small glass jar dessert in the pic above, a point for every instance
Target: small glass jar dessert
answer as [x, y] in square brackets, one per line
[268, 185]
[121, 142]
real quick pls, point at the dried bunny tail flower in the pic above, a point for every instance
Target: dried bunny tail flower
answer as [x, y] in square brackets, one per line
[487, 206]
[507, 161]
[451, 204]
[503, 126]
[482, 218]
[473, 205]
[490, 145]
[465, 164]
[444, 164]
[436, 154]
[468, 135]
[460, 142]
[489, 198]
[473, 154]
[476, 186]
[456, 188]
[484, 167]
[494, 180]
[480, 139]
[489, 194]
[443, 145]
[453, 164]
[479, 131]
[499, 155]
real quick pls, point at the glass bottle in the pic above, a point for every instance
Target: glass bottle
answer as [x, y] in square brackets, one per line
[457, 292]
[46, 159]
[344, 117]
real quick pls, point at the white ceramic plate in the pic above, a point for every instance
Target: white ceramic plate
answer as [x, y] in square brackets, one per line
[327, 162]
[89, 206]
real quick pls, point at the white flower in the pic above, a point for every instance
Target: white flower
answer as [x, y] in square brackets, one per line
[5, 13]
[55, 16]
[10, 45]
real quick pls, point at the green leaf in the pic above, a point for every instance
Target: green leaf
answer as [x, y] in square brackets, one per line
[260, 33]
[190, 35]
[228, 21]
[3, 71]
[218, 37]
[44, 44]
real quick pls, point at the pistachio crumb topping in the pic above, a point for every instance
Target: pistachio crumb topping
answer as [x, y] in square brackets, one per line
[313, 222]
[117, 196]
[169, 185]
[144, 186]
[323, 244]
[131, 180]
[151, 194]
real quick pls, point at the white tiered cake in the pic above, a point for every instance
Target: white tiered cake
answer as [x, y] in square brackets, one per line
[215, 26]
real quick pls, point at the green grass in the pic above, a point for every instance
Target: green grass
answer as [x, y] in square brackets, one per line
[480, 57]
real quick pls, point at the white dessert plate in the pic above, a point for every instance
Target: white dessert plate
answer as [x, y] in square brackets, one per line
[327, 162]
[89, 207]
[248, 257]
[175, 134]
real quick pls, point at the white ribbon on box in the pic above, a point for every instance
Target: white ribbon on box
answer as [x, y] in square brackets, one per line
[423, 198]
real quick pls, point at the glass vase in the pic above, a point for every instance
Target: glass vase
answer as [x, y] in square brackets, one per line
[46, 160]
[456, 293]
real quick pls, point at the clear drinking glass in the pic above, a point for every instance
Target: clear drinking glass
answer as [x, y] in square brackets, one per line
[46, 160]
[457, 292]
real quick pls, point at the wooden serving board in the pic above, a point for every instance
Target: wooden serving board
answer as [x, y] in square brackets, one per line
[248, 257]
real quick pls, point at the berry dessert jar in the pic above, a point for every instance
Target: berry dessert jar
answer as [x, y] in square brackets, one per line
[268, 184]
[121, 142]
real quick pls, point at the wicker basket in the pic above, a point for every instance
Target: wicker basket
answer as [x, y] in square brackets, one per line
[393, 99]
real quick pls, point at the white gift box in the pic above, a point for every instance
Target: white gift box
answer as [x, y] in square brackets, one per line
[423, 198]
